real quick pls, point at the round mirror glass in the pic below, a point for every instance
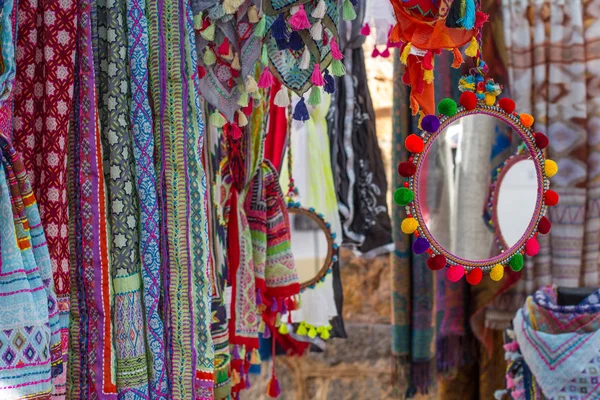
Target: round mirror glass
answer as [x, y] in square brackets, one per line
[515, 199]
[311, 245]
[454, 186]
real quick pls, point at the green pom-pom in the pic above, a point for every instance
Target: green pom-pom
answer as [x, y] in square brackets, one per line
[403, 196]
[516, 262]
[264, 56]
[348, 12]
[217, 119]
[447, 107]
[243, 100]
[315, 96]
[209, 57]
[259, 29]
[338, 68]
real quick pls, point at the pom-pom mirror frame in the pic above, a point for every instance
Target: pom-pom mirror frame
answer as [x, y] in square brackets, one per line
[408, 195]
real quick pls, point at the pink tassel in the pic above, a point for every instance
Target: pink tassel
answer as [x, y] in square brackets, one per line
[365, 30]
[335, 50]
[518, 393]
[427, 61]
[317, 78]
[375, 53]
[385, 53]
[299, 20]
[266, 79]
[509, 382]
[512, 346]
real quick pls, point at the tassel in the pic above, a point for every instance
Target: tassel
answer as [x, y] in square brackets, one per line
[279, 29]
[338, 68]
[274, 305]
[209, 33]
[217, 119]
[255, 357]
[316, 31]
[302, 331]
[235, 377]
[261, 326]
[296, 43]
[458, 59]
[224, 47]
[235, 354]
[365, 30]
[198, 22]
[264, 56]
[480, 19]
[267, 333]
[252, 14]
[283, 329]
[375, 53]
[305, 59]
[473, 48]
[273, 388]
[385, 53]
[282, 44]
[468, 20]
[259, 299]
[251, 85]
[319, 11]
[243, 100]
[427, 60]
[300, 111]
[201, 71]
[299, 20]
[335, 49]
[348, 12]
[259, 29]
[325, 38]
[395, 34]
[266, 79]
[209, 57]
[242, 119]
[315, 96]
[405, 53]
[428, 75]
[317, 78]
[312, 332]
[329, 85]
[455, 14]
[235, 132]
[282, 98]
[235, 64]
[325, 334]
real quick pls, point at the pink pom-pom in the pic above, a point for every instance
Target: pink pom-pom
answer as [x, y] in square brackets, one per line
[299, 20]
[335, 49]
[317, 77]
[365, 30]
[455, 273]
[266, 79]
[532, 247]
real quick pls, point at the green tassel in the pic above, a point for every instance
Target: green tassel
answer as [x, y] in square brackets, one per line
[338, 68]
[198, 21]
[217, 119]
[209, 33]
[209, 57]
[243, 100]
[264, 56]
[259, 29]
[348, 12]
[315, 96]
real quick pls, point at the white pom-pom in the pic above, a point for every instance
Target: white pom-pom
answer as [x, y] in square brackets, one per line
[305, 59]
[282, 98]
[319, 11]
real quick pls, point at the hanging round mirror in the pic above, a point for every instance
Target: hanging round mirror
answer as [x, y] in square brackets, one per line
[526, 204]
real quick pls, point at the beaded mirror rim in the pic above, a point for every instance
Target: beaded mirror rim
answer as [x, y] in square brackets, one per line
[408, 196]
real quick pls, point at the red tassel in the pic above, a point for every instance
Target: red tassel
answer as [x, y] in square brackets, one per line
[299, 20]
[427, 60]
[375, 53]
[335, 50]
[317, 78]
[201, 72]
[266, 79]
[224, 47]
[273, 388]
[480, 19]
[385, 53]
[325, 39]
[235, 132]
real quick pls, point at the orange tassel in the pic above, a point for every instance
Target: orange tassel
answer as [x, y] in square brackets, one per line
[458, 58]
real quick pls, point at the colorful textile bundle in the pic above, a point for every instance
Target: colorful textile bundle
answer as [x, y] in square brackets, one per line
[553, 351]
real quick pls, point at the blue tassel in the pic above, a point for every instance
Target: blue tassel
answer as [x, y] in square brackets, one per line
[300, 111]
[282, 44]
[296, 42]
[468, 21]
[329, 85]
[279, 29]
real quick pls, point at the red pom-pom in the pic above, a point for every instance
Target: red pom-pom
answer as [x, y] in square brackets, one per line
[541, 140]
[468, 100]
[480, 86]
[474, 276]
[551, 198]
[436, 263]
[414, 143]
[455, 273]
[406, 169]
[532, 247]
[507, 105]
[544, 226]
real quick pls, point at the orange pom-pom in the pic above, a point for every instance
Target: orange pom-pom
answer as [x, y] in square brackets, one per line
[551, 198]
[526, 120]
[468, 100]
[414, 143]
[508, 105]
[474, 276]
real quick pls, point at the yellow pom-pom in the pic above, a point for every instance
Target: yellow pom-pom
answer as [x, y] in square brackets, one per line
[405, 53]
[526, 120]
[471, 51]
[409, 225]
[497, 272]
[551, 168]
[490, 99]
